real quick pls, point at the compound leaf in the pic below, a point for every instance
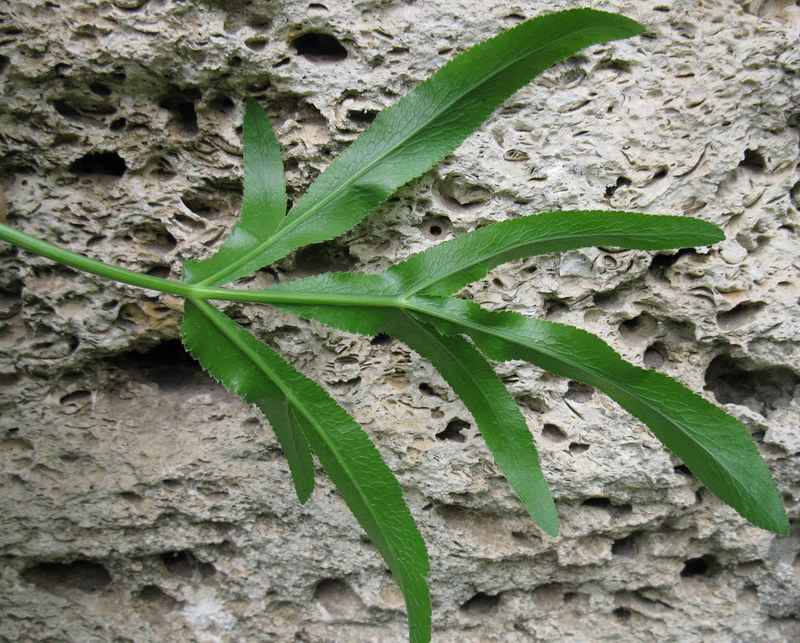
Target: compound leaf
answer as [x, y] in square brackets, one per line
[258, 374]
[417, 132]
[264, 201]
[447, 267]
[716, 447]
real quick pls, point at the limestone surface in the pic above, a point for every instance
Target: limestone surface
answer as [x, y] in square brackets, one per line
[142, 502]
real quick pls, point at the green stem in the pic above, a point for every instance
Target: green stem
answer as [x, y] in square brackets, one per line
[74, 260]
[81, 262]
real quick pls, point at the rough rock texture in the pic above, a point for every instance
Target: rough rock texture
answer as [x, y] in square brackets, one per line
[142, 502]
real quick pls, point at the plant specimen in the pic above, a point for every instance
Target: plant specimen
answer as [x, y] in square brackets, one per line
[413, 301]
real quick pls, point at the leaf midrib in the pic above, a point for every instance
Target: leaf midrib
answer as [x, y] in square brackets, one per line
[250, 354]
[290, 225]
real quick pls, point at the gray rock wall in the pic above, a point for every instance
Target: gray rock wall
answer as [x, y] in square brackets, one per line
[142, 502]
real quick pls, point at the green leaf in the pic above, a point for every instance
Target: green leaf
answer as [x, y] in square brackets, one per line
[413, 135]
[716, 447]
[447, 267]
[494, 410]
[239, 367]
[257, 373]
[264, 201]
[329, 303]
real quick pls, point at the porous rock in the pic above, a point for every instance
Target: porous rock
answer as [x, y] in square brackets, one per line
[142, 502]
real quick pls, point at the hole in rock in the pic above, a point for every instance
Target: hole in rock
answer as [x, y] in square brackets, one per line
[381, 339]
[683, 470]
[763, 390]
[157, 596]
[76, 397]
[555, 308]
[117, 124]
[535, 404]
[427, 389]
[85, 109]
[600, 503]
[4, 62]
[99, 163]
[661, 263]
[365, 116]
[640, 327]
[436, 227]
[83, 575]
[655, 355]
[607, 505]
[522, 539]
[753, 160]
[179, 563]
[66, 138]
[481, 604]
[706, 564]
[169, 366]
[100, 89]
[579, 392]
[622, 181]
[221, 104]
[337, 597]
[553, 433]
[181, 106]
[10, 299]
[622, 613]
[161, 167]
[201, 205]
[794, 195]
[184, 563]
[453, 431]
[607, 300]
[319, 47]
[259, 21]
[741, 315]
[323, 257]
[153, 237]
[256, 44]
[577, 448]
[159, 271]
[625, 547]
[457, 193]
